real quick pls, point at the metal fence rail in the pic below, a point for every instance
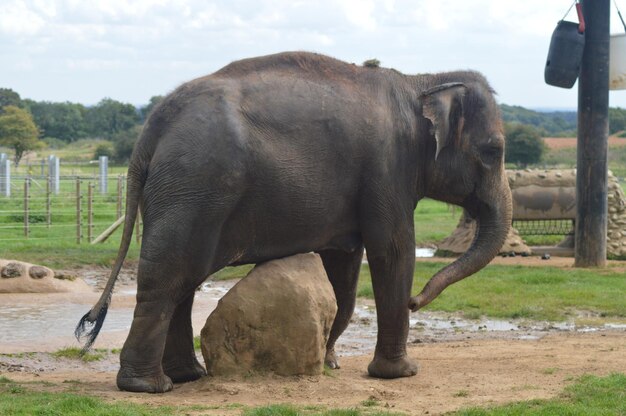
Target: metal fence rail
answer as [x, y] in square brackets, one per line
[544, 227]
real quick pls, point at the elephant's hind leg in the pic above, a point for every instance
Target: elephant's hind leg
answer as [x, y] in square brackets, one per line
[342, 269]
[152, 357]
[140, 360]
[179, 359]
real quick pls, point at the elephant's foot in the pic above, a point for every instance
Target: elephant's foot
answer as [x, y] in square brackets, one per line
[184, 373]
[331, 359]
[381, 367]
[158, 383]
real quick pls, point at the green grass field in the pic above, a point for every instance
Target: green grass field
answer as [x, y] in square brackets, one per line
[434, 221]
[537, 293]
[589, 395]
[55, 243]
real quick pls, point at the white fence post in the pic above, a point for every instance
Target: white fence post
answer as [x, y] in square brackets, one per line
[5, 175]
[27, 207]
[53, 171]
[103, 161]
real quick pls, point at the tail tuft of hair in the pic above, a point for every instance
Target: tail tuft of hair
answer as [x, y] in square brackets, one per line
[89, 328]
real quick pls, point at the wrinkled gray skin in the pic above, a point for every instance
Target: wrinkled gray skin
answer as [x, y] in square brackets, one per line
[293, 153]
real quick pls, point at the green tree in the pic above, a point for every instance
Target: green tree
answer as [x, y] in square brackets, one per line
[110, 117]
[617, 120]
[524, 145]
[552, 123]
[104, 149]
[9, 97]
[64, 121]
[18, 131]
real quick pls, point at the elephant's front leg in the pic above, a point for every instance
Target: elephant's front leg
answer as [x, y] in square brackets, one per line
[179, 359]
[392, 267]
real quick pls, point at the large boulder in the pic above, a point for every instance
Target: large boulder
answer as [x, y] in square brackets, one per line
[276, 319]
[20, 277]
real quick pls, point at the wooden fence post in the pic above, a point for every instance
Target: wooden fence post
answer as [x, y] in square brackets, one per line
[120, 193]
[79, 220]
[90, 211]
[48, 201]
[592, 143]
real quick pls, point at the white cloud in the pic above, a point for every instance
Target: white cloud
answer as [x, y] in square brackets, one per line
[24, 65]
[93, 64]
[18, 19]
[45, 7]
[360, 13]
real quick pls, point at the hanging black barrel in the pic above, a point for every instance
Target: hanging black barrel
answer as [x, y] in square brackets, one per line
[565, 55]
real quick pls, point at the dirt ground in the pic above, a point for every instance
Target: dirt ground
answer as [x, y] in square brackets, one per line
[453, 375]
[457, 369]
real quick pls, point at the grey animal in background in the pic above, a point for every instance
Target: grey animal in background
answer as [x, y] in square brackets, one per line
[294, 153]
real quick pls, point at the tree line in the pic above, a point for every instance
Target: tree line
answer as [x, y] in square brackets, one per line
[27, 124]
[558, 123]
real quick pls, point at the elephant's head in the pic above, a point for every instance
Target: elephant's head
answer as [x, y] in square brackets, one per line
[466, 168]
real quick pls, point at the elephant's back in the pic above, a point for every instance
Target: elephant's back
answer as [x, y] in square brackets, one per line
[305, 64]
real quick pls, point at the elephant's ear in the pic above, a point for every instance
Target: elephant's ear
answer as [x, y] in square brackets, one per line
[443, 106]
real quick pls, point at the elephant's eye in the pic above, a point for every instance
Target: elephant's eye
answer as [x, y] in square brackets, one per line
[491, 153]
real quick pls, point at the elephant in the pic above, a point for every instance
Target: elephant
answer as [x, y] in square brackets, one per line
[292, 153]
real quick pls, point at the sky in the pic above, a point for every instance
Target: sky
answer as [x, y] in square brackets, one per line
[83, 51]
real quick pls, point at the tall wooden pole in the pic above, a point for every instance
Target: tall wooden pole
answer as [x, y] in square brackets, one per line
[593, 132]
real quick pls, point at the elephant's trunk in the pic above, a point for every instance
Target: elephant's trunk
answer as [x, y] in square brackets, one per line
[492, 227]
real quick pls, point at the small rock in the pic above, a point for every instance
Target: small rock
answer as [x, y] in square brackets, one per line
[37, 272]
[64, 276]
[512, 254]
[545, 256]
[12, 270]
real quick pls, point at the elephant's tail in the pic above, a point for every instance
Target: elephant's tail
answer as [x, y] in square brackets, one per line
[90, 324]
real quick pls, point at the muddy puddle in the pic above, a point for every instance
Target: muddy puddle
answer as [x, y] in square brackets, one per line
[25, 322]
[429, 327]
